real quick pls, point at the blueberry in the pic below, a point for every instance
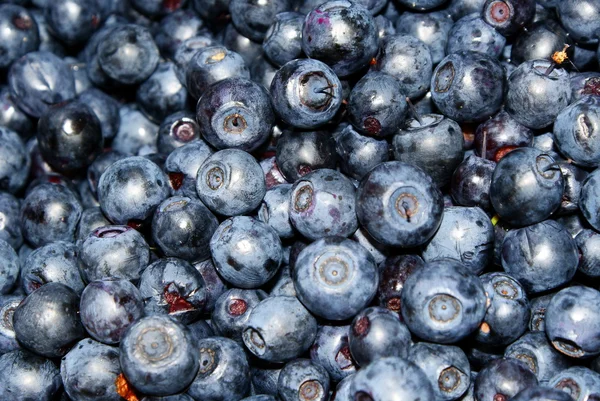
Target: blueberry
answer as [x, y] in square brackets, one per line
[579, 382]
[235, 41]
[385, 27]
[99, 166]
[128, 55]
[26, 376]
[472, 33]
[265, 379]
[571, 321]
[10, 266]
[299, 153]
[546, 143]
[135, 133]
[358, 154]
[393, 272]
[131, 189]
[50, 212]
[161, 94]
[466, 234]
[459, 8]
[73, 21]
[431, 28]
[283, 40]
[583, 84]
[507, 315]
[342, 391]
[210, 10]
[235, 113]
[252, 20]
[186, 50]
[232, 310]
[527, 187]
[175, 28]
[538, 308]
[399, 205]
[177, 130]
[539, 41]
[499, 135]
[538, 355]
[246, 252]
[53, 262]
[47, 321]
[263, 72]
[224, 371]
[306, 93]
[502, 379]
[322, 204]
[173, 287]
[8, 340]
[446, 367]
[214, 284]
[39, 79]
[443, 302]
[331, 351]
[275, 211]
[231, 182]
[439, 155]
[182, 228]
[377, 332]
[468, 86]
[15, 161]
[409, 60]
[47, 42]
[183, 163]
[158, 357]
[508, 16]
[12, 117]
[279, 329]
[377, 105]
[108, 307]
[589, 199]
[19, 33]
[113, 251]
[303, 380]
[581, 18]
[535, 96]
[573, 177]
[391, 378]
[542, 256]
[106, 109]
[471, 181]
[200, 329]
[89, 371]
[588, 244]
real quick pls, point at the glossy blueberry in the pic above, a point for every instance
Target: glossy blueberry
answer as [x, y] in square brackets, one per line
[446, 367]
[274, 210]
[19, 33]
[581, 18]
[108, 307]
[465, 234]
[214, 285]
[588, 244]
[322, 203]
[335, 278]
[8, 340]
[439, 155]
[331, 351]
[508, 16]
[235, 113]
[468, 86]
[377, 105]
[91, 219]
[158, 357]
[47, 321]
[503, 379]
[539, 41]
[472, 33]
[246, 252]
[176, 130]
[539, 356]
[393, 273]
[95, 170]
[545, 142]
[443, 301]
[173, 287]
[577, 131]
[409, 60]
[507, 315]
[128, 55]
[399, 205]
[113, 251]
[38, 80]
[53, 262]
[89, 371]
[471, 181]
[26, 376]
[377, 332]
[182, 228]
[279, 329]
[385, 27]
[232, 311]
[321, 41]
[299, 153]
[69, 136]
[231, 182]
[136, 132]
[224, 371]
[161, 94]
[283, 40]
[303, 380]
[572, 321]
[183, 163]
[499, 135]
[50, 212]
[73, 21]
[391, 378]
[358, 154]
[306, 93]
[542, 256]
[106, 109]
[15, 161]
[588, 202]
[431, 28]
[527, 187]
[174, 29]
[579, 382]
[253, 20]
[535, 98]
[131, 189]
[10, 266]
[12, 117]
[187, 50]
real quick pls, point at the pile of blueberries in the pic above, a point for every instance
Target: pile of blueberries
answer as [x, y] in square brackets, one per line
[299, 200]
